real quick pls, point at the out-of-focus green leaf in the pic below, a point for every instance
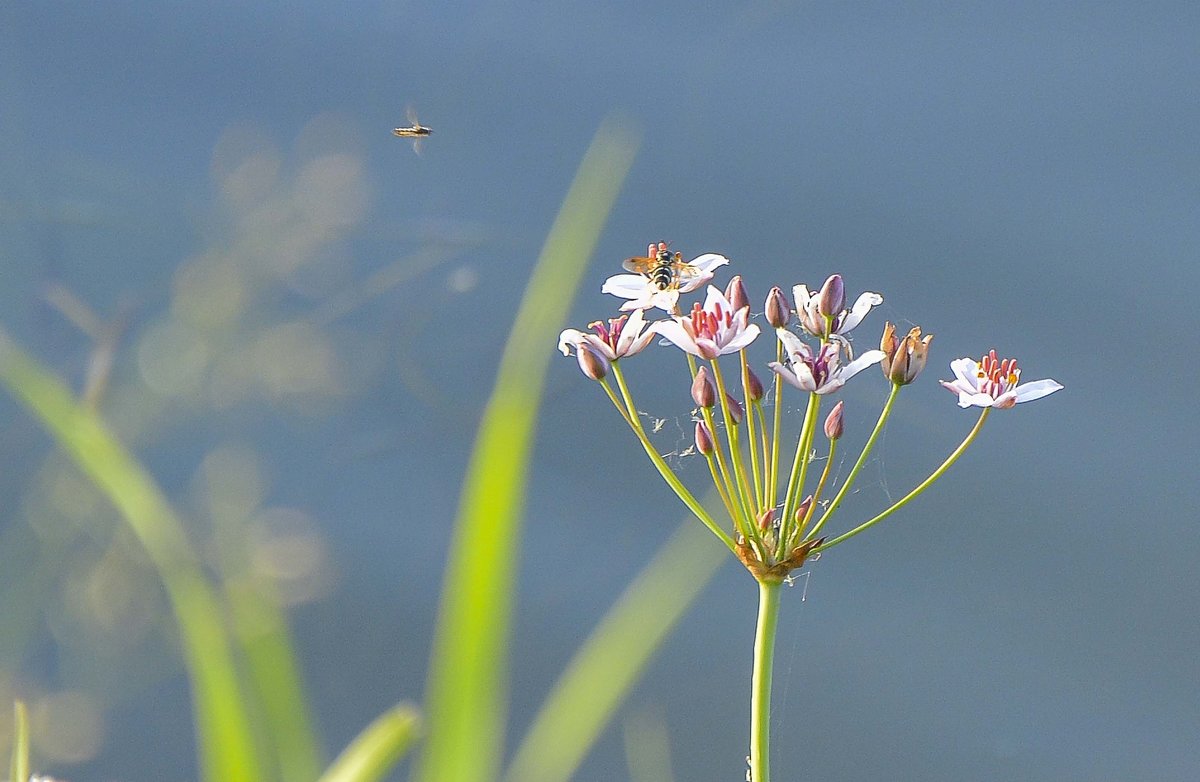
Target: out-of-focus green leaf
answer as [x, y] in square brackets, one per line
[378, 748]
[265, 639]
[19, 768]
[227, 752]
[604, 669]
[648, 748]
[467, 694]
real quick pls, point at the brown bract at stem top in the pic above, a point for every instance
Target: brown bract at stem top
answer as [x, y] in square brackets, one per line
[780, 570]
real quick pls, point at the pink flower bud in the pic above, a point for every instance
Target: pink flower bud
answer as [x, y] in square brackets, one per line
[593, 365]
[778, 311]
[754, 386]
[704, 393]
[766, 519]
[802, 511]
[735, 409]
[833, 423]
[832, 298]
[704, 441]
[735, 291]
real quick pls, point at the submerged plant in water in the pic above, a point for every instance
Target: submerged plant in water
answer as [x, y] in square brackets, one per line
[770, 520]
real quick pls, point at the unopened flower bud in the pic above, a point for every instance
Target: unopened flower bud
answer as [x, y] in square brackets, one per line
[778, 311]
[903, 358]
[704, 393]
[704, 441]
[766, 519]
[833, 422]
[591, 362]
[832, 298]
[735, 291]
[802, 511]
[735, 409]
[754, 386]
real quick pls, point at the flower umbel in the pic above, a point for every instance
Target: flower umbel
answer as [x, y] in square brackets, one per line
[820, 372]
[712, 330]
[994, 382]
[774, 515]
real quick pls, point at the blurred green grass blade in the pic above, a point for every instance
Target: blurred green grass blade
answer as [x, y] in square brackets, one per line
[266, 642]
[378, 748]
[466, 698]
[19, 768]
[648, 748]
[224, 737]
[608, 663]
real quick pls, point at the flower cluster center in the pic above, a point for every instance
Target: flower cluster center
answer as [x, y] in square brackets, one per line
[611, 334]
[709, 324]
[997, 375]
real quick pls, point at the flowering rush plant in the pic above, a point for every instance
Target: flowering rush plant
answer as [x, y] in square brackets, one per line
[774, 515]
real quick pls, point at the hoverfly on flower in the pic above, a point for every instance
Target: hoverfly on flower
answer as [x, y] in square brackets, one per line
[665, 269]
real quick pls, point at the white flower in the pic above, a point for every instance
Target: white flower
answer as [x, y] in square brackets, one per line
[644, 294]
[712, 330]
[992, 382]
[619, 339]
[822, 372]
[810, 309]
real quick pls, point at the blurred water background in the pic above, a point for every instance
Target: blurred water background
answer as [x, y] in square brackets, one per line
[303, 318]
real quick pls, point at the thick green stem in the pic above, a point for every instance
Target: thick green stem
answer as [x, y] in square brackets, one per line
[760, 688]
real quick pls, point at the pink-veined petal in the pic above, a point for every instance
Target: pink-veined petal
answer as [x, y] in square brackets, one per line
[600, 346]
[676, 334]
[744, 338]
[788, 375]
[634, 338]
[706, 349]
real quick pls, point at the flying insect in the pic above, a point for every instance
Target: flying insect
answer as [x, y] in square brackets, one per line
[415, 130]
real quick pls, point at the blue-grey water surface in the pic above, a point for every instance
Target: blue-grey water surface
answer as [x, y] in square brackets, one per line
[1024, 176]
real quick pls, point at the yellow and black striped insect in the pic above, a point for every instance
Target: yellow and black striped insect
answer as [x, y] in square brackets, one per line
[415, 130]
[665, 269]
